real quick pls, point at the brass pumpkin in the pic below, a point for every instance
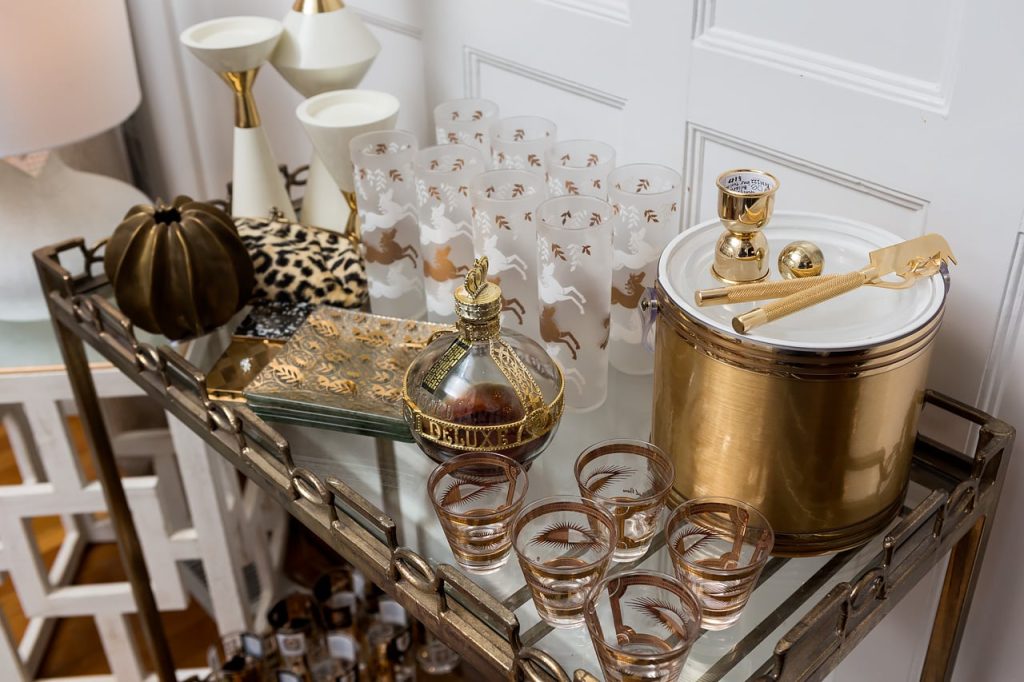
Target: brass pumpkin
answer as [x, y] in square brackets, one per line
[178, 269]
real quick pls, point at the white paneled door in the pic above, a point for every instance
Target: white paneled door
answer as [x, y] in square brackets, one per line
[903, 114]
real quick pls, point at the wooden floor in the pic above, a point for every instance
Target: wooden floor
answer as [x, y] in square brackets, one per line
[75, 648]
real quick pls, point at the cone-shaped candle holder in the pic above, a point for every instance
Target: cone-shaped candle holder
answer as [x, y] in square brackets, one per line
[236, 48]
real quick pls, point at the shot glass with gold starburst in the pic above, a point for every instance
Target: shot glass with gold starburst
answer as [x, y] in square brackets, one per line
[719, 547]
[642, 625]
[630, 479]
[475, 496]
[564, 545]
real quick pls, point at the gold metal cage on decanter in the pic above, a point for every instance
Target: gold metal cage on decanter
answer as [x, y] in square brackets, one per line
[479, 389]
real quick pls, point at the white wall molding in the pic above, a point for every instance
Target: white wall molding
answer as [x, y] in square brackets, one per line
[1009, 325]
[891, 85]
[390, 24]
[694, 173]
[473, 58]
[616, 11]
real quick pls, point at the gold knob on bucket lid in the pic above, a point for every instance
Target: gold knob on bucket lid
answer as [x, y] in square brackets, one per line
[801, 259]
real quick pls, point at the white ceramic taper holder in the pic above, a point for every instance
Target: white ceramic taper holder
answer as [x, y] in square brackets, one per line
[236, 48]
[325, 46]
[331, 120]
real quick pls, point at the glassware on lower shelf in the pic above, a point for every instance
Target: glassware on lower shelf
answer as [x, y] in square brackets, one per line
[388, 645]
[299, 632]
[248, 658]
[335, 593]
[437, 659]
[719, 547]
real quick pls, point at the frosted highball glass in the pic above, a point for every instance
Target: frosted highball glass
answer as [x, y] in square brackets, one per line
[385, 182]
[443, 176]
[574, 277]
[505, 230]
[580, 167]
[522, 143]
[646, 198]
[466, 121]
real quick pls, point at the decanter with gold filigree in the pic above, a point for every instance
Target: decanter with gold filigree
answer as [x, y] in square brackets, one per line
[480, 389]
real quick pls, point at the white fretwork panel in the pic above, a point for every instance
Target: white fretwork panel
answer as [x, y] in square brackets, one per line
[221, 524]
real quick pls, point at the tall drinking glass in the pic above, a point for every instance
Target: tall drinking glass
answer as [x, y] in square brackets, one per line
[522, 143]
[466, 121]
[646, 199]
[443, 176]
[574, 277]
[580, 167]
[504, 206]
[389, 229]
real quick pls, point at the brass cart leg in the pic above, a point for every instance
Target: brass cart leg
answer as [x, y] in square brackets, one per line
[73, 351]
[951, 614]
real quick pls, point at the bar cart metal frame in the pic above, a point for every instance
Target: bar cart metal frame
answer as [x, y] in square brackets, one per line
[955, 517]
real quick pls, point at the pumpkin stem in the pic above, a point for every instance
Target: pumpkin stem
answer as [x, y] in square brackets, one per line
[166, 215]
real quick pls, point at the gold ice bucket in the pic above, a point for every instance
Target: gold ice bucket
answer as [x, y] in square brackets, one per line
[813, 419]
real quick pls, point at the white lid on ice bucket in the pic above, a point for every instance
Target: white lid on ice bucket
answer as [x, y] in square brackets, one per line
[865, 317]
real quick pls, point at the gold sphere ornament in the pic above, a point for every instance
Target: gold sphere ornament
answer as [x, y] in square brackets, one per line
[801, 259]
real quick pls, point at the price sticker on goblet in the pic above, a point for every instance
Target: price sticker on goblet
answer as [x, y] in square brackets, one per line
[748, 182]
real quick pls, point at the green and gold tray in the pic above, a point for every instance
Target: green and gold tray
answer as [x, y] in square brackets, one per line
[342, 370]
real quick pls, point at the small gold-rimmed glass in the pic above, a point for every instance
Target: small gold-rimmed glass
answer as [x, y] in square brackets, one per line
[563, 544]
[642, 625]
[630, 479]
[475, 496]
[719, 547]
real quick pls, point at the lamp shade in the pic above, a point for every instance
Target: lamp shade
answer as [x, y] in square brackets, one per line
[67, 72]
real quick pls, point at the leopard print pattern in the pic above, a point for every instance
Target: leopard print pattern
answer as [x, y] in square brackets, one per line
[296, 263]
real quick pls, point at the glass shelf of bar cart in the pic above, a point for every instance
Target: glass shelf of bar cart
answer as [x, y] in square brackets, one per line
[804, 616]
[394, 481]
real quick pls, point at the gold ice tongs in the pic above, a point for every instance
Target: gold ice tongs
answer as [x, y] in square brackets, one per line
[909, 261]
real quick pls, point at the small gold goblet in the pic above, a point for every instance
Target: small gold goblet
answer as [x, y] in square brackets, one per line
[746, 199]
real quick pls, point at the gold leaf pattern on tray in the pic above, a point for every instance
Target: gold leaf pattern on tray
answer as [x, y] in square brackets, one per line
[289, 374]
[324, 327]
[343, 366]
[339, 386]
